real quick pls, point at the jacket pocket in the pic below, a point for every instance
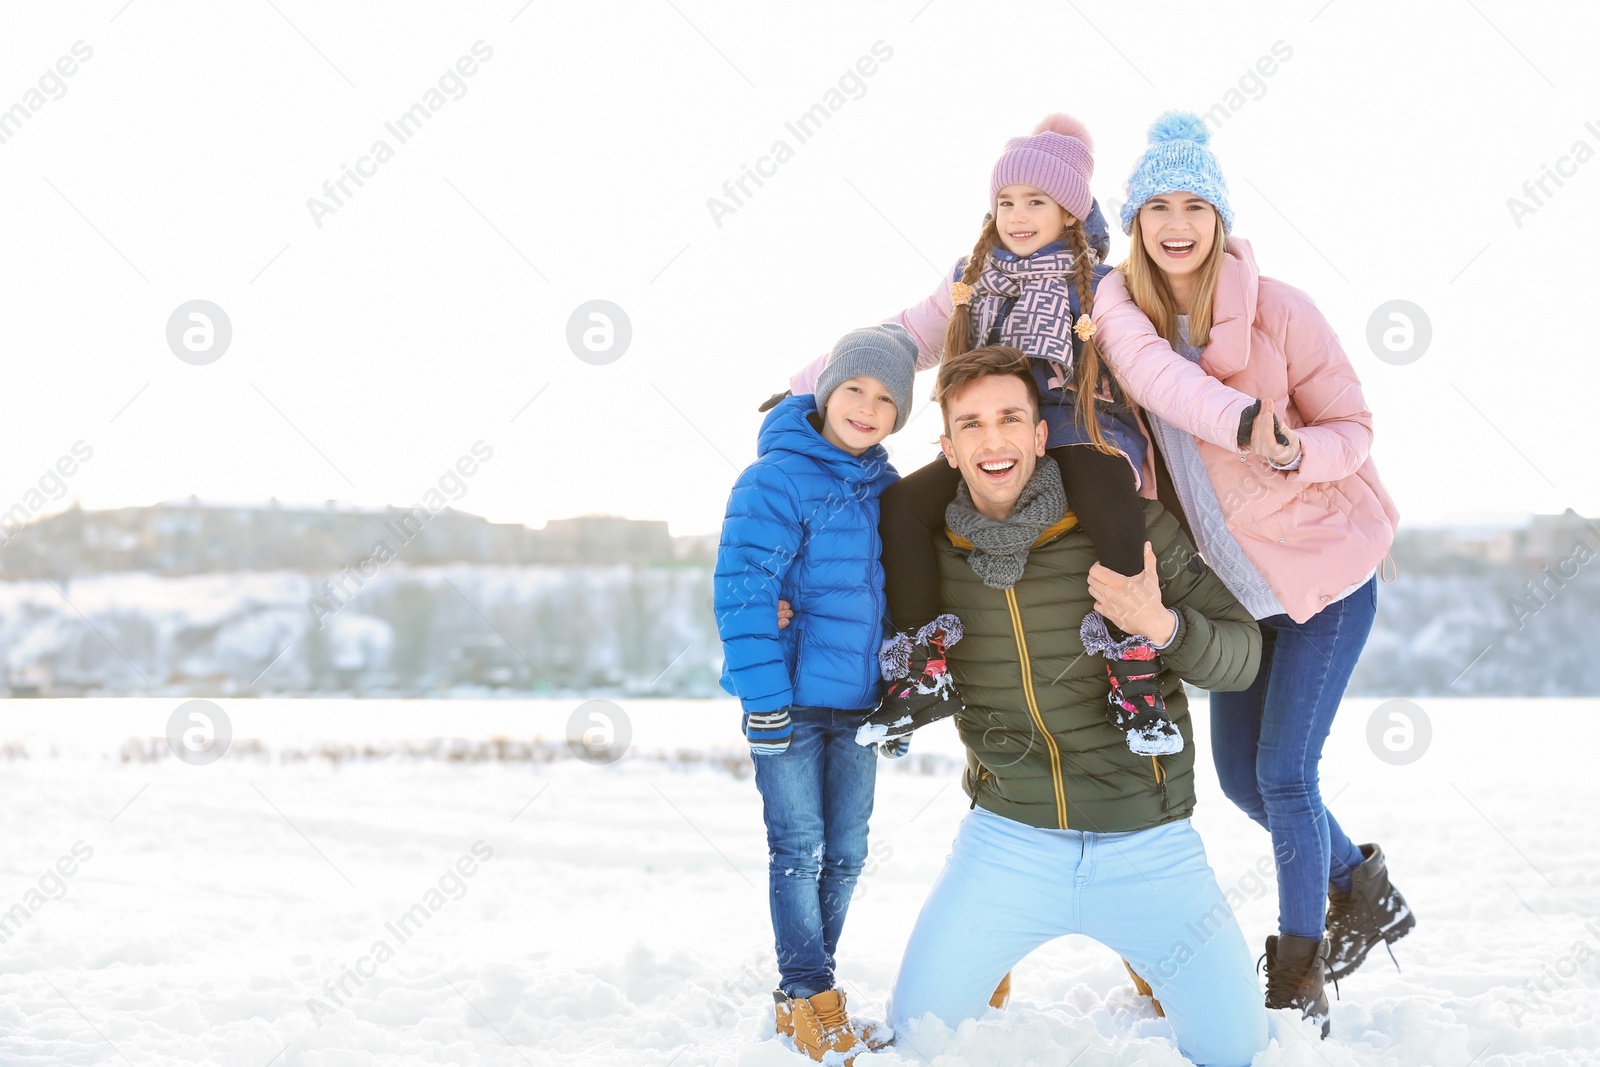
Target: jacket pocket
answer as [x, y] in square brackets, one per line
[791, 650]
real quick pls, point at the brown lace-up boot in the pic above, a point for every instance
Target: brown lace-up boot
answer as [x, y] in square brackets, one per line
[821, 1026]
[1296, 969]
[783, 1013]
[1143, 988]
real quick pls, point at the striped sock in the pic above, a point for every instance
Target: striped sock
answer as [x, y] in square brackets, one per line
[768, 732]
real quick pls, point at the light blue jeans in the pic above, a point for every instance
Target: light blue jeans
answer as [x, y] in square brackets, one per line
[1148, 895]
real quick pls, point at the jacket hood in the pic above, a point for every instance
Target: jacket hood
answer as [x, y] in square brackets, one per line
[1234, 311]
[787, 428]
[1098, 233]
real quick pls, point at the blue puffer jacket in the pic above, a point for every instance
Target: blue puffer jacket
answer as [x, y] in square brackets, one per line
[802, 526]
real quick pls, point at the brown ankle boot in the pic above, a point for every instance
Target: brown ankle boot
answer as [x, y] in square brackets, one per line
[821, 1026]
[1296, 969]
[783, 1013]
[1372, 913]
[1002, 993]
[1143, 988]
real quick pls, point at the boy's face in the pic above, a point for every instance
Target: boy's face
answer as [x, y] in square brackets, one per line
[860, 413]
[994, 438]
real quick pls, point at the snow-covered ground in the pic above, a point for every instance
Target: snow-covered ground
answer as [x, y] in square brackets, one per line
[253, 910]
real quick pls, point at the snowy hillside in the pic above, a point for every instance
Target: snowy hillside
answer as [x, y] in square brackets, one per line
[465, 629]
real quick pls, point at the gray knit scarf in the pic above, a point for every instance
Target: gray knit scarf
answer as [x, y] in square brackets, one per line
[1000, 549]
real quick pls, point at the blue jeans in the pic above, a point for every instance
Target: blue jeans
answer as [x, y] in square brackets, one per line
[816, 800]
[1267, 741]
[1148, 895]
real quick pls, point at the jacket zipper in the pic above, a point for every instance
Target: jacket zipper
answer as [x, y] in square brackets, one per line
[1161, 779]
[1033, 708]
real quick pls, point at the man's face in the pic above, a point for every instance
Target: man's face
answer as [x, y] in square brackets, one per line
[995, 439]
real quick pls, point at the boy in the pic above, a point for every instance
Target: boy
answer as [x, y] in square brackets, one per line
[802, 526]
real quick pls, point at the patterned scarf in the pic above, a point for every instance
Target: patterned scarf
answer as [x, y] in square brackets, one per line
[1040, 322]
[1036, 290]
[1000, 549]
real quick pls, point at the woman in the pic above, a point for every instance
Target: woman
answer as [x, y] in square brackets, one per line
[1285, 505]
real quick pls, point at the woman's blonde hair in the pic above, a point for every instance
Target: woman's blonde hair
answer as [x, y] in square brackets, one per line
[1147, 284]
[1087, 368]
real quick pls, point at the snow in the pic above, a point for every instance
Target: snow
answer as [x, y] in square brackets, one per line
[567, 911]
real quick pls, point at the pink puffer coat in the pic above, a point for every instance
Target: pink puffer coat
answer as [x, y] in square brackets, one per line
[1313, 532]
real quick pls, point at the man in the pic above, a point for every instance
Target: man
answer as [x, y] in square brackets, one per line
[1070, 831]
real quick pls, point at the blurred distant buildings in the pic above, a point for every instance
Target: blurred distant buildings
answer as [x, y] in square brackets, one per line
[211, 599]
[196, 536]
[1530, 542]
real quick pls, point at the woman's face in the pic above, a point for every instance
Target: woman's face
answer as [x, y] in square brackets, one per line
[1179, 230]
[1027, 219]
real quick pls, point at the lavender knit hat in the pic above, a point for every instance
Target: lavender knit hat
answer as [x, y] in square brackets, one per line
[1177, 161]
[1058, 158]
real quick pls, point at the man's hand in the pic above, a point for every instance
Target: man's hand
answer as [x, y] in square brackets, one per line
[1133, 603]
[785, 613]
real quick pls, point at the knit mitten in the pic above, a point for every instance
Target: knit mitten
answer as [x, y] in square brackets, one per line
[768, 732]
[894, 749]
[1135, 705]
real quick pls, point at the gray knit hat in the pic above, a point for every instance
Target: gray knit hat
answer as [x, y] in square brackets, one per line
[885, 352]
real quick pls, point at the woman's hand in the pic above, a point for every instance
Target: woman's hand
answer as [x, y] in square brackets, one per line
[785, 613]
[1133, 603]
[1264, 442]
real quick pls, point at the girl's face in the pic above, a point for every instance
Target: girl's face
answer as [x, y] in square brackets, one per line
[1027, 219]
[1179, 230]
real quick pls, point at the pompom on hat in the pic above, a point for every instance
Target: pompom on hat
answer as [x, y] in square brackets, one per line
[1057, 158]
[1177, 161]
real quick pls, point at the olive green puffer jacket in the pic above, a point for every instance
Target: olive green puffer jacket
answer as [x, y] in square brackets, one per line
[1040, 748]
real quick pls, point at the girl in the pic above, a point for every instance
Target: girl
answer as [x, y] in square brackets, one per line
[1287, 509]
[1029, 283]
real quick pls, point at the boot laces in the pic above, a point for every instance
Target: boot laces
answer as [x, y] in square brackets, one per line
[834, 1021]
[1282, 987]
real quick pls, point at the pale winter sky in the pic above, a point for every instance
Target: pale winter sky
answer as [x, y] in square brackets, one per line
[570, 157]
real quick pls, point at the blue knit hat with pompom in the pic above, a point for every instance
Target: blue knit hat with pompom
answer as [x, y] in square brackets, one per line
[1177, 161]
